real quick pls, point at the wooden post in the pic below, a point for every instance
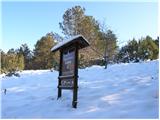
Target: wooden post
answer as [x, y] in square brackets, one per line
[75, 88]
[60, 73]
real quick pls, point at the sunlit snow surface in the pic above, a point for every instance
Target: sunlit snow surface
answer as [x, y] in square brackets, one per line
[121, 91]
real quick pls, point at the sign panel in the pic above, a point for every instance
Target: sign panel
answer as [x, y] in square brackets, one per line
[68, 64]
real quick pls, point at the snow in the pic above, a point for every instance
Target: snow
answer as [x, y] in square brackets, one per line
[128, 90]
[60, 44]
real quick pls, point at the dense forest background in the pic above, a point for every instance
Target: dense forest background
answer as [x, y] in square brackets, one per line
[103, 49]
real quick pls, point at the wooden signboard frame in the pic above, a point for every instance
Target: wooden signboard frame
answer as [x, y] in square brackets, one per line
[68, 68]
[70, 77]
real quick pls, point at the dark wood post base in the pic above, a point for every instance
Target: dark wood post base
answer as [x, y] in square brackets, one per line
[59, 93]
[74, 104]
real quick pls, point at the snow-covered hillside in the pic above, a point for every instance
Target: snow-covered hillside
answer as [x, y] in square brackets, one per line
[121, 91]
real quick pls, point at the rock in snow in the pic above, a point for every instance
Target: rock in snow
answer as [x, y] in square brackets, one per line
[121, 91]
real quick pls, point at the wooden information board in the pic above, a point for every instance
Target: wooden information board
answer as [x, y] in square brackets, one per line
[68, 72]
[68, 68]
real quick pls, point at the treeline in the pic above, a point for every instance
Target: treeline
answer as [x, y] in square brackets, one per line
[11, 61]
[139, 50]
[25, 59]
[102, 51]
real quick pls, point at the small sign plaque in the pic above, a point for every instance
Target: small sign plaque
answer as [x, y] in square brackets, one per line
[67, 83]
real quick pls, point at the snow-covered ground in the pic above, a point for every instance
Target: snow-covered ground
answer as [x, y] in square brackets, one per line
[121, 91]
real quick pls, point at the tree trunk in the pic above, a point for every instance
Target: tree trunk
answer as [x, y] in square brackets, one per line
[105, 56]
[106, 63]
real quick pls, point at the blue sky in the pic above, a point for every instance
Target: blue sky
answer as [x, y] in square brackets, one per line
[27, 22]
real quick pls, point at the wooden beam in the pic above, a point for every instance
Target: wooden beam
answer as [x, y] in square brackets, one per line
[75, 89]
[60, 73]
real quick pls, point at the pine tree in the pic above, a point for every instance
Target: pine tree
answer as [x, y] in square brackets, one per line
[133, 50]
[3, 61]
[20, 61]
[11, 61]
[76, 22]
[27, 53]
[148, 49]
[43, 57]
[108, 45]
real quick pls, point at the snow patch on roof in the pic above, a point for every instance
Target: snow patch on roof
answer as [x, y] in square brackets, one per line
[60, 44]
